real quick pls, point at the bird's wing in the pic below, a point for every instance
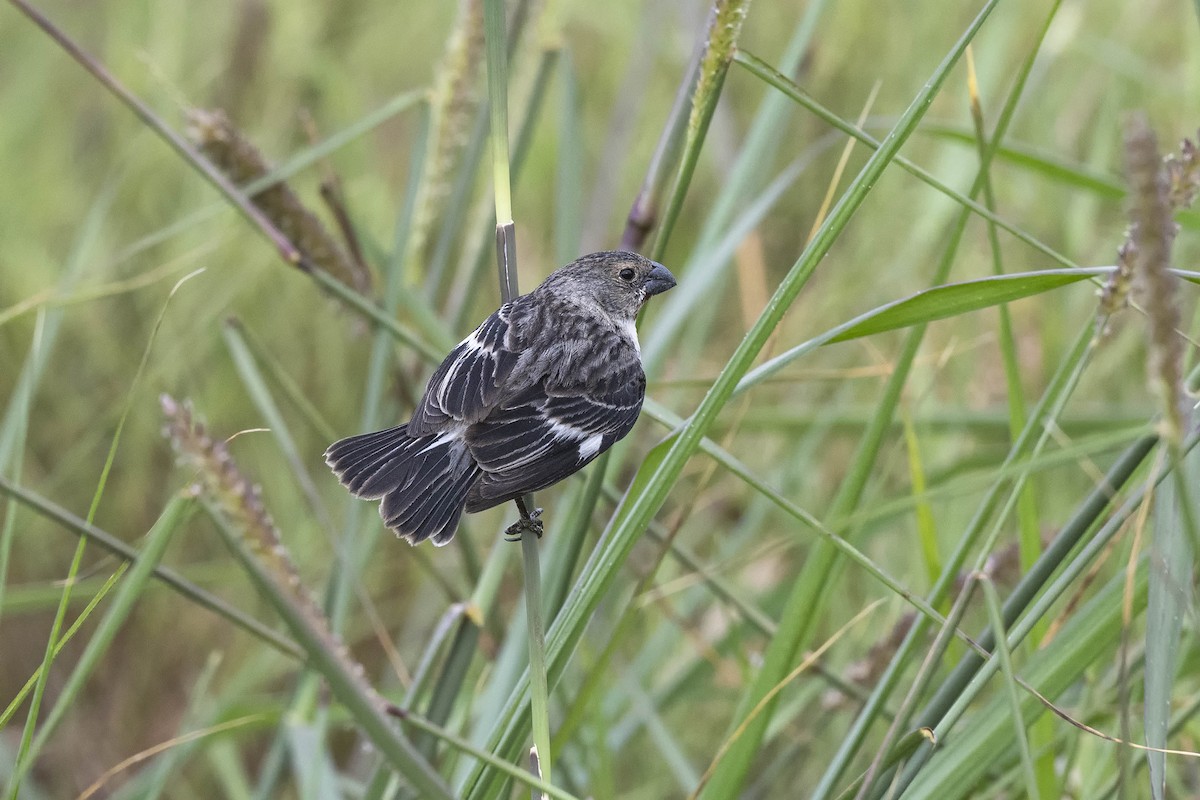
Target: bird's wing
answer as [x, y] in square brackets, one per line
[541, 436]
[466, 385]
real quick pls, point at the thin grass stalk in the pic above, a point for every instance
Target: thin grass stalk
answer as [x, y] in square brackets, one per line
[539, 686]
[893, 738]
[925, 521]
[1028, 521]
[542, 784]
[643, 214]
[992, 603]
[562, 555]
[454, 669]
[380, 318]
[423, 675]
[1027, 516]
[1052, 559]
[722, 37]
[26, 751]
[16, 422]
[753, 167]
[574, 532]
[903, 749]
[1179, 723]
[497, 80]
[702, 271]
[439, 279]
[1102, 185]
[468, 277]
[506, 263]
[665, 463]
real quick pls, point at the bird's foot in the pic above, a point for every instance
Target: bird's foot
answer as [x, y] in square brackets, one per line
[528, 523]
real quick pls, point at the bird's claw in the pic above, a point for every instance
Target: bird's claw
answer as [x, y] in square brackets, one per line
[526, 524]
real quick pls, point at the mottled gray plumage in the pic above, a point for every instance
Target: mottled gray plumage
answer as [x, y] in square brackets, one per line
[546, 383]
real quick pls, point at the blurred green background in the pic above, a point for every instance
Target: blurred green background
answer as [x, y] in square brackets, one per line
[99, 219]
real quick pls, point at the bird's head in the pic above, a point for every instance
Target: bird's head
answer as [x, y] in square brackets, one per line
[617, 281]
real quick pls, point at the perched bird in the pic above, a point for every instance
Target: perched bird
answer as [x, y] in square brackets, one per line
[547, 383]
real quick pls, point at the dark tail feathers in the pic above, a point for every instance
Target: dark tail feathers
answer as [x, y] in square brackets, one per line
[423, 481]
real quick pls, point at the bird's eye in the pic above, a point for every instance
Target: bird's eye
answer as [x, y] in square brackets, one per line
[626, 274]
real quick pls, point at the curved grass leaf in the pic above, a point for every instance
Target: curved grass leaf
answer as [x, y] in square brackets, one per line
[952, 299]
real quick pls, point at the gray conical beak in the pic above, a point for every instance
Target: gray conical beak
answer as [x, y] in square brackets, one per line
[658, 280]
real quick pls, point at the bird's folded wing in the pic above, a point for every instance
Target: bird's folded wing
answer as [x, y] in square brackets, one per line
[465, 387]
[539, 437]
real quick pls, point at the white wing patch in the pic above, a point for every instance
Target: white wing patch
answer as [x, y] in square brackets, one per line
[589, 443]
[590, 446]
[454, 432]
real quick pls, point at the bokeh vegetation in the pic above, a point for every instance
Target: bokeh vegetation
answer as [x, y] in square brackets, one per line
[728, 648]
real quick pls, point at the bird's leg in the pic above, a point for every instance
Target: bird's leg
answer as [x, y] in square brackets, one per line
[529, 522]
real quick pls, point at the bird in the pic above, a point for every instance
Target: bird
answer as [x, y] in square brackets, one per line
[543, 386]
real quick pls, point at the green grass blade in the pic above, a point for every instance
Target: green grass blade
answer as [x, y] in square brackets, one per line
[1171, 596]
[940, 302]
[497, 78]
[724, 28]
[951, 300]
